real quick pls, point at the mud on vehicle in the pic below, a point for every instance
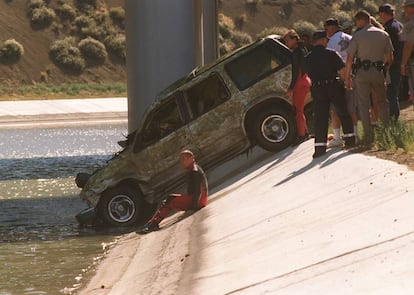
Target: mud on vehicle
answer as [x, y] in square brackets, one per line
[218, 111]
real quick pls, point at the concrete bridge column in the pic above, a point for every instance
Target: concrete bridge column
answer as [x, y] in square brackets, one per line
[164, 43]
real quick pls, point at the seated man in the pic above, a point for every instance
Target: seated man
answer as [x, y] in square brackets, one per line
[196, 197]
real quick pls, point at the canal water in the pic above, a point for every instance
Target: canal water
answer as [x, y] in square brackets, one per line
[42, 249]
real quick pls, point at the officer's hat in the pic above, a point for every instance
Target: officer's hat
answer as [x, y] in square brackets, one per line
[387, 8]
[318, 35]
[408, 2]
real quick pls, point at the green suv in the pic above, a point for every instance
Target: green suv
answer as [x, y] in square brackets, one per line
[218, 111]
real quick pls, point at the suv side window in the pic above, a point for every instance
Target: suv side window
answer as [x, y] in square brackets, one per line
[257, 64]
[164, 120]
[207, 94]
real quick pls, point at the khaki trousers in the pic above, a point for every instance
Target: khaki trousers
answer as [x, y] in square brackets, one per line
[371, 81]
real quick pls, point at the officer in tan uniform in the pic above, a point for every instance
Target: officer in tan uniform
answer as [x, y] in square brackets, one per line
[407, 60]
[373, 51]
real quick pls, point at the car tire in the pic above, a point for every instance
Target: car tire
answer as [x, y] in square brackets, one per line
[120, 206]
[274, 129]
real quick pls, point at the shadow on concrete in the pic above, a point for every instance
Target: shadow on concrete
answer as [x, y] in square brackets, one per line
[323, 161]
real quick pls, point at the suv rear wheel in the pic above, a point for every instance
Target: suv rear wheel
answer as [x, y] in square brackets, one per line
[120, 206]
[274, 129]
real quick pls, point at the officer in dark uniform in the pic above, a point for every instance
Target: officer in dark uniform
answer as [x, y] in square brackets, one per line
[323, 67]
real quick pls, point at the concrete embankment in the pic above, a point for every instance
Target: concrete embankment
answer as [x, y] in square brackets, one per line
[281, 224]
[63, 112]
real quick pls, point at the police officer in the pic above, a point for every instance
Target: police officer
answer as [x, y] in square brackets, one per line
[374, 52]
[394, 28]
[323, 67]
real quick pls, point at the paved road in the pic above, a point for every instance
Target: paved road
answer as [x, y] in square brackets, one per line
[63, 112]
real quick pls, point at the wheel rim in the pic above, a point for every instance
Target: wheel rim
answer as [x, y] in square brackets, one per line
[121, 208]
[275, 128]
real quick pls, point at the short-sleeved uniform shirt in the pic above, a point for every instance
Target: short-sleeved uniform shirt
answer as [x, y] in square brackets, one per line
[340, 43]
[370, 43]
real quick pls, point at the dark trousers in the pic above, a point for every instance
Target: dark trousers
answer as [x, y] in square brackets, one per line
[393, 89]
[323, 96]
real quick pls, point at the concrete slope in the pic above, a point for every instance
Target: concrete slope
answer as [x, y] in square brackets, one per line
[340, 224]
[62, 112]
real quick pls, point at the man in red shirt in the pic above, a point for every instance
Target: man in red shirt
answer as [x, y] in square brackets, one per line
[196, 197]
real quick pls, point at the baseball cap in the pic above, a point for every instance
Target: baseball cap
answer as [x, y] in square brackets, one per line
[331, 22]
[387, 8]
[319, 35]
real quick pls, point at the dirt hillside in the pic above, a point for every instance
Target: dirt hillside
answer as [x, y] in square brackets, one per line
[15, 24]
[32, 66]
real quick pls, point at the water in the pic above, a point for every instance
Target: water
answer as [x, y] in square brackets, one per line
[42, 249]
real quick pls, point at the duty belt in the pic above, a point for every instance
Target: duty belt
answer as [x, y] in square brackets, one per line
[326, 82]
[366, 64]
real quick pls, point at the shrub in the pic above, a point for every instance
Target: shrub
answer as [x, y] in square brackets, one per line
[342, 16]
[117, 14]
[287, 7]
[11, 49]
[241, 20]
[240, 38]
[116, 45]
[304, 28]
[226, 47]
[67, 55]
[88, 2]
[42, 16]
[397, 135]
[92, 48]
[281, 31]
[66, 12]
[226, 25]
[371, 7]
[84, 21]
[33, 4]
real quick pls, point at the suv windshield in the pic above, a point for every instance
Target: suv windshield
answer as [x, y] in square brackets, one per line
[257, 64]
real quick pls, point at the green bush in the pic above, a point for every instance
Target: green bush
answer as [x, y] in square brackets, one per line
[226, 25]
[66, 12]
[117, 14]
[281, 31]
[11, 49]
[116, 45]
[42, 16]
[33, 4]
[287, 7]
[342, 16]
[93, 49]
[226, 47]
[371, 7]
[240, 38]
[87, 2]
[303, 27]
[397, 135]
[84, 21]
[67, 55]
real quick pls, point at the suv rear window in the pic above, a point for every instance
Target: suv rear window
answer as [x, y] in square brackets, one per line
[207, 94]
[257, 64]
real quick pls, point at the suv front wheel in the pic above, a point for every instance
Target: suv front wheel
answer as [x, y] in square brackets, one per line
[274, 129]
[120, 206]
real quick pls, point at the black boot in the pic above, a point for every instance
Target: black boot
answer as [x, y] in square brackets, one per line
[350, 142]
[319, 151]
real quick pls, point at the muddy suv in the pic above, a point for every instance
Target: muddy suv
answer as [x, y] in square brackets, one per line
[217, 111]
